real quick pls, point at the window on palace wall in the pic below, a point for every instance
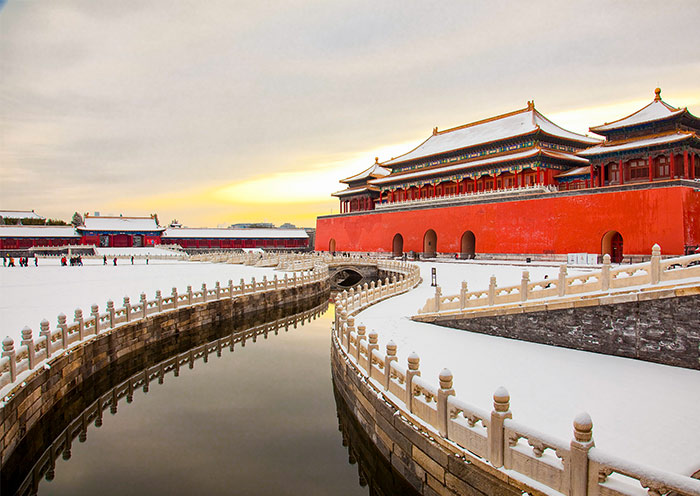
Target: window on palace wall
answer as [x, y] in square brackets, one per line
[530, 179]
[488, 184]
[470, 187]
[662, 167]
[614, 172]
[510, 182]
[639, 169]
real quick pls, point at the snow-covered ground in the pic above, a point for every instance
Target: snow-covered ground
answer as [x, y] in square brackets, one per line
[144, 251]
[30, 294]
[641, 411]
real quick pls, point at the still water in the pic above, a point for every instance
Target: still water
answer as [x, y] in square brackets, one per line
[259, 420]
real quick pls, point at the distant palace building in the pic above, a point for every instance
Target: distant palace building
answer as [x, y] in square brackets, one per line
[122, 231]
[519, 184]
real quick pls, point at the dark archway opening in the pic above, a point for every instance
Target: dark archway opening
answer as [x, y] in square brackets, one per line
[429, 244]
[468, 245]
[397, 245]
[331, 245]
[612, 245]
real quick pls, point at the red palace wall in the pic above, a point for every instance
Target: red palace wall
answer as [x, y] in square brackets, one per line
[669, 216]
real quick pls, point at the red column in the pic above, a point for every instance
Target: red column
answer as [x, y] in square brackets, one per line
[673, 165]
[516, 179]
[692, 166]
[538, 176]
[651, 169]
[622, 173]
[434, 190]
[685, 163]
[592, 173]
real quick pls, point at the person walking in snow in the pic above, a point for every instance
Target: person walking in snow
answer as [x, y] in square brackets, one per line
[36, 261]
[132, 260]
[115, 261]
[104, 260]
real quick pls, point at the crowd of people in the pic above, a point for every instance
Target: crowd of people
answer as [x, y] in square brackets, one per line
[9, 261]
[23, 261]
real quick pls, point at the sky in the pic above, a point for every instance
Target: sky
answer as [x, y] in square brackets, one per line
[226, 111]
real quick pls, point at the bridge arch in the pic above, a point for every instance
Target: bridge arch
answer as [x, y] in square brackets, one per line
[467, 245]
[397, 245]
[331, 245]
[429, 244]
[612, 244]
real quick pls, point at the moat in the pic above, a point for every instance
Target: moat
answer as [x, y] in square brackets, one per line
[259, 420]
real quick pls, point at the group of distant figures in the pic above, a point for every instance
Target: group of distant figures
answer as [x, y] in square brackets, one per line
[73, 261]
[23, 261]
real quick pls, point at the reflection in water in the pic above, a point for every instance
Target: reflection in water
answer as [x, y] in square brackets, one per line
[235, 419]
[373, 469]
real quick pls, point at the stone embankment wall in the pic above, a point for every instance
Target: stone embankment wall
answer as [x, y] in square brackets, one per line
[50, 384]
[664, 329]
[429, 466]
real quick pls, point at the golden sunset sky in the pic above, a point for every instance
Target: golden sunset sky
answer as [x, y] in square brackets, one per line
[224, 111]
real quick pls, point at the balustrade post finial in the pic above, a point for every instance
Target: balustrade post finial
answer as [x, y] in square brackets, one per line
[524, 281]
[463, 295]
[561, 284]
[371, 346]
[28, 341]
[413, 370]
[64, 329]
[444, 393]
[8, 350]
[144, 305]
[605, 273]
[78, 317]
[579, 447]
[500, 412]
[95, 312]
[45, 332]
[127, 308]
[492, 290]
[655, 272]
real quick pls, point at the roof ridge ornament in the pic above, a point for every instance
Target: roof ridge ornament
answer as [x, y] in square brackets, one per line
[657, 92]
[531, 104]
[435, 131]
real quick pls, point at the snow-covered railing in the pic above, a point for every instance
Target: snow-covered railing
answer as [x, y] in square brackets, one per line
[44, 465]
[571, 467]
[654, 272]
[473, 196]
[17, 362]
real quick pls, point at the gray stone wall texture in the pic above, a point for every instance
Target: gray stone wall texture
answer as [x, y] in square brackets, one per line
[46, 387]
[429, 466]
[665, 330]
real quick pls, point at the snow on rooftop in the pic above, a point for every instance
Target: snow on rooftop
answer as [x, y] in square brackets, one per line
[254, 233]
[655, 111]
[578, 171]
[20, 214]
[375, 170]
[495, 129]
[38, 232]
[612, 147]
[641, 411]
[351, 191]
[121, 224]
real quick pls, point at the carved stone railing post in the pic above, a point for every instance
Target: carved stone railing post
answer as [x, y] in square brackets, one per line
[358, 342]
[264, 283]
[523, 285]
[438, 298]
[45, 333]
[242, 286]
[655, 263]
[286, 280]
[217, 289]
[349, 329]
[582, 442]
[605, 273]
[174, 296]
[95, 312]
[463, 296]
[371, 346]
[110, 313]
[444, 392]
[28, 341]
[390, 357]
[64, 329]
[204, 292]
[413, 370]
[144, 305]
[230, 288]
[492, 290]
[8, 350]
[190, 295]
[501, 411]
[127, 308]
[159, 300]
[561, 285]
[78, 317]
[276, 281]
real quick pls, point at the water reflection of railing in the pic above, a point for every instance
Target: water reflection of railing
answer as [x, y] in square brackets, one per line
[77, 428]
[373, 469]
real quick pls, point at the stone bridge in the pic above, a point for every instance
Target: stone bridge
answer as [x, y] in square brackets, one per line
[353, 273]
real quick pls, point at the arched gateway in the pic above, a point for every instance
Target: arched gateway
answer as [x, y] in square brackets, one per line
[612, 245]
[468, 245]
[397, 245]
[331, 245]
[429, 244]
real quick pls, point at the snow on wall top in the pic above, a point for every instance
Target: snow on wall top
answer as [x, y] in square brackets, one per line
[206, 233]
[375, 170]
[630, 145]
[135, 224]
[20, 214]
[655, 111]
[38, 232]
[502, 127]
